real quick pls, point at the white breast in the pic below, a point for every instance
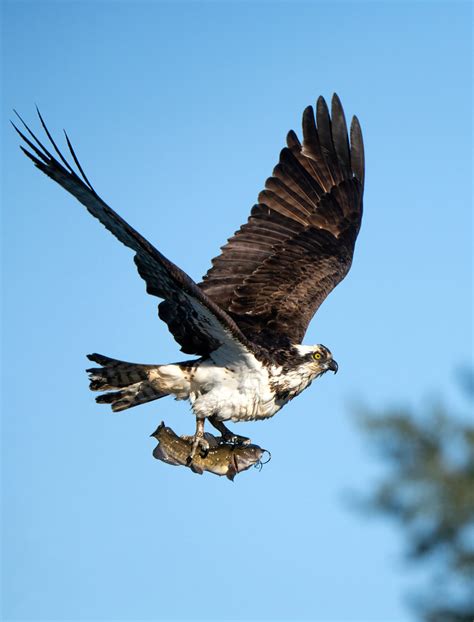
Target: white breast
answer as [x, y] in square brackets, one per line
[237, 390]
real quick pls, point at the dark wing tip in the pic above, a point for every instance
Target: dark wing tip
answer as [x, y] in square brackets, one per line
[309, 123]
[35, 160]
[75, 158]
[51, 140]
[339, 134]
[19, 116]
[308, 111]
[310, 133]
[337, 110]
[45, 157]
[44, 154]
[321, 104]
[321, 101]
[323, 121]
[357, 150]
[292, 140]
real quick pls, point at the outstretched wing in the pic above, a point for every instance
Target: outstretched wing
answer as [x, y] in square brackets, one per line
[297, 245]
[204, 327]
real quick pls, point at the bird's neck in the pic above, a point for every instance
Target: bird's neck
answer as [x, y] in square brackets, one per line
[292, 382]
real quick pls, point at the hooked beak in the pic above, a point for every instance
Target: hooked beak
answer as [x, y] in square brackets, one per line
[333, 366]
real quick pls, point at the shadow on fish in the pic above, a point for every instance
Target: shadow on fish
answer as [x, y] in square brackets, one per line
[221, 459]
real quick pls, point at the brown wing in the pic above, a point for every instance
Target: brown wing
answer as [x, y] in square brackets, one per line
[297, 245]
[204, 326]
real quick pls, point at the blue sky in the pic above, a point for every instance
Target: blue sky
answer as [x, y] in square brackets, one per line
[178, 112]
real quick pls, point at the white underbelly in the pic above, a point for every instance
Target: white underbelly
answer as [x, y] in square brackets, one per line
[233, 405]
[236, 394]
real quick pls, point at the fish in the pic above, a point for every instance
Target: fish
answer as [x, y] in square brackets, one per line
[221, 458]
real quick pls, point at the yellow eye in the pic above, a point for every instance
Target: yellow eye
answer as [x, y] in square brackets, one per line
[317, 355]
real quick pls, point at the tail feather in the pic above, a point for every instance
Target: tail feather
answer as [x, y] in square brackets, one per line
[137, 383]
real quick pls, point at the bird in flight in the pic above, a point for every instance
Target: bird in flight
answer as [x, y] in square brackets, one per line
[245, 321]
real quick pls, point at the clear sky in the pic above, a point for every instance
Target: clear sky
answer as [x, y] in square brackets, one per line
[178, 112]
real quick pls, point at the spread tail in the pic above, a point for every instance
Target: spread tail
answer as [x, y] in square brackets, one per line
[137, 383]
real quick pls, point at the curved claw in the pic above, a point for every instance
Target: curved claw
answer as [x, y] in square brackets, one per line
[198, 443]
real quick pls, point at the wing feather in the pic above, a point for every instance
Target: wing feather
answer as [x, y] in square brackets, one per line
[339, 134]
[203, 325]
[298, 243]
[357, 150]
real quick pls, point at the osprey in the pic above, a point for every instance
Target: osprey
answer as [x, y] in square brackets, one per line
[247, 318]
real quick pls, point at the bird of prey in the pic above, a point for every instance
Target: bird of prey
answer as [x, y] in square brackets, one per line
[246, 320]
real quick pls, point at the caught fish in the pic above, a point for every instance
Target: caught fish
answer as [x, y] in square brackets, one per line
[221, 459]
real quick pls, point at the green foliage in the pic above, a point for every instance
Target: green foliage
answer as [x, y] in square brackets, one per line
[429, 489]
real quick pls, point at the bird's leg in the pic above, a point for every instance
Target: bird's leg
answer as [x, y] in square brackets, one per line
[227, 435]
[198, 441]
